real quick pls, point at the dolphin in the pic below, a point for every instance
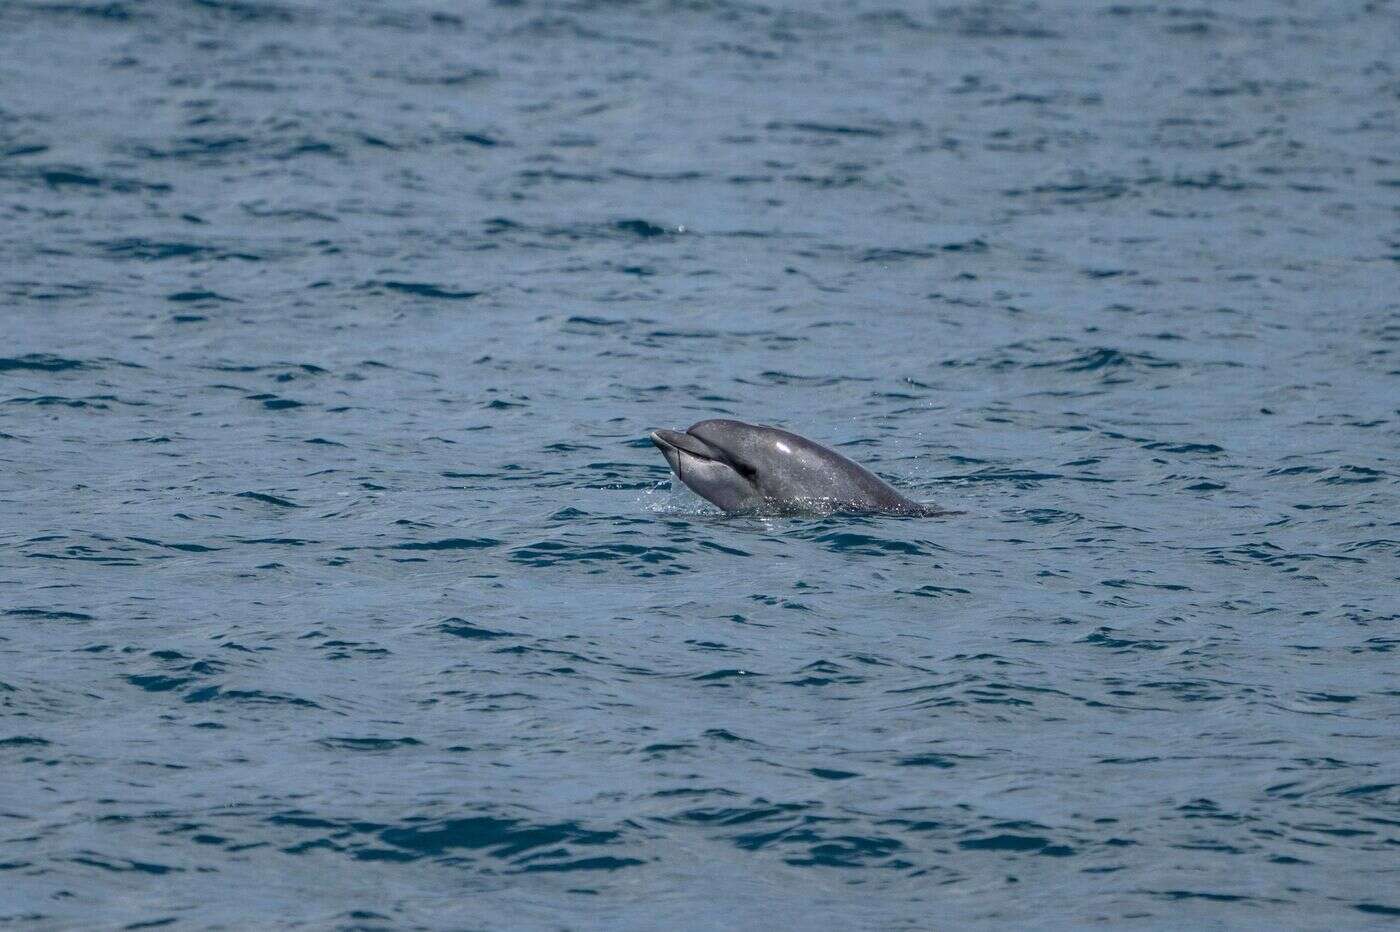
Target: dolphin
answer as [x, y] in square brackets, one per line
[751, 468]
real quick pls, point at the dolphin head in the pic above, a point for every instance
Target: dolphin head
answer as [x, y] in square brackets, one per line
[711, 459]
[749, 467]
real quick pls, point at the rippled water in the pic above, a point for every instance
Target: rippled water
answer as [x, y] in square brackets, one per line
[339, 584]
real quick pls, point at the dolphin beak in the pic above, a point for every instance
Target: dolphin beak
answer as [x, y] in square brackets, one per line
[680, 440]
[668, 442]
[666, 439]
[672, 443]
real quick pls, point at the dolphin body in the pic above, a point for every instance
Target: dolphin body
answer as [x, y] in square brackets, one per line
[751, 468]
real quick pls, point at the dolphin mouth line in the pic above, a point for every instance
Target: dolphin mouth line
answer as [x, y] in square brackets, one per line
[677, 445]
[682, 442]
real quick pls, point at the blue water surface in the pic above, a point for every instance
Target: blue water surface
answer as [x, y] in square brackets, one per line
[341, 588]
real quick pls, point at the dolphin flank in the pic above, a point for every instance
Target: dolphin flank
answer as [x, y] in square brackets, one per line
[749, 468]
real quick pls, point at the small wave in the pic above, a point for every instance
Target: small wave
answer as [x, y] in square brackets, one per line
[41, 362]
[468, 631]
[269, 499]
[41, 614]
[450, 543]
[218, 694]
[421, 290]
[368, 744]
[521, 846]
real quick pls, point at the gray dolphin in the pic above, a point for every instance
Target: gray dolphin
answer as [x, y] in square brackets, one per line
[748, 467]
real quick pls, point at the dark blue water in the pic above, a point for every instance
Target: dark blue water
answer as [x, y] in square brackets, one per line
[339, 584]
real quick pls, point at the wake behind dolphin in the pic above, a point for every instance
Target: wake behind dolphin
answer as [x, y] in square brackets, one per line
[751, 468]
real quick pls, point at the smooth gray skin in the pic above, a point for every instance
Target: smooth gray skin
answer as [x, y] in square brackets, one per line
[748, 467]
